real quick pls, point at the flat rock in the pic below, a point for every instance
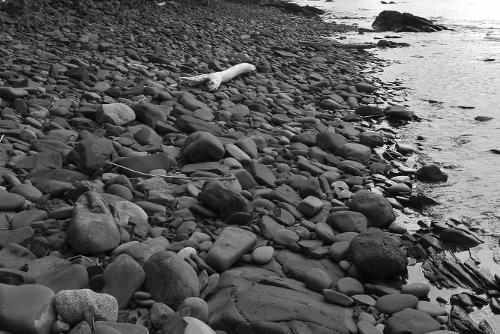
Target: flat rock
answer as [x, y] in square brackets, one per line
[230, 245]
[143, 164]
[254, 301]
[64, 276]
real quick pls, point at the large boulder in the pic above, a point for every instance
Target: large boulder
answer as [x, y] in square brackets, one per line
[170, 279]
[375, 207]
[202, 146]
[92, 229]
[375, 246]
[391, 20]
[255, 301]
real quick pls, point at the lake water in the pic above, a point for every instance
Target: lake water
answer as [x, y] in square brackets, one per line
[457, 69]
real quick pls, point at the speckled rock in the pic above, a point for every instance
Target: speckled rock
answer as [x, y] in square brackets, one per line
[71, 305]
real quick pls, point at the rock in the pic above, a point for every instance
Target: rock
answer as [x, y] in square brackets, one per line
[262, 174]
[92, 229]
[330, 141]
[390, 304]
[170, 279]
[339, 250]
[310, 206]
[338, 298]
[144, 164]
[374, 207]
[356, 152]
[254, 301]
[72, 304]
[160, 314]
[202, 146]
[195, 307]
[26, 309]
[10, 202]
[369, 110]
[196, 326]
[391, 20]
[189, 101]
[347, 221]
[150, 114]
[367, 328]
[371, 139]
[419, 290]
[230, 245]
[410, 321]
[92, 153]
[225, 201]
[65, 276]
[399, 112]
[350, 286]
[122, 278]
[431, 173]
[432, 309]
[459, 237]
[376, 246]
[317, 280]
[10, 93]
[109, 327]
[115, 113]
[263, 255]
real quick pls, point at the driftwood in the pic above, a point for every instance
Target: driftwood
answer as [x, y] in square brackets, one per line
[214, 80]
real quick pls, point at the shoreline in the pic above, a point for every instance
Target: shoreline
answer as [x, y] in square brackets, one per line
[289, 181]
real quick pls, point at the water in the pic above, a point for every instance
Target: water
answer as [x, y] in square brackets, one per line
[449, 67]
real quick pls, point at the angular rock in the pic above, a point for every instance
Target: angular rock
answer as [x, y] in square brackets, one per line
[170, 279]
[150, 114]
[225, 201]
[91, 154]
[262, 174]
[92, 229]
[376, 246]
[376, 208]
[230, 245]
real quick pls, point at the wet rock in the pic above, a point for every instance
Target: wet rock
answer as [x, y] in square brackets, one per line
[92, 229]
[225, 201]
[431, 173]
[377, 246]
[115, 113]
[369, 110]
[230, 245]
[374, 207]
[170, 279]
[411, 321]
[71, 305]
[399, 112]
[26, 309]
[271, 304]
[202, 146]
[391, 20]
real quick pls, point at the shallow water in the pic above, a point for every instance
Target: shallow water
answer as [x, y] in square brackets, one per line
[450, 68]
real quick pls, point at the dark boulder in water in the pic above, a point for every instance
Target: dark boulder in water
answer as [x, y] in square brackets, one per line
[391, 20]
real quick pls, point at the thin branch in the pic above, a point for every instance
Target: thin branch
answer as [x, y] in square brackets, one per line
[176, 177]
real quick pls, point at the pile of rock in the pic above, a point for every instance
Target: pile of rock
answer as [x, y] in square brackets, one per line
[134, 205]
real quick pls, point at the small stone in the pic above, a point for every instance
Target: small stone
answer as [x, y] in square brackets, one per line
[367, 328]
[160, 314]
[354, 151]
[225, 201]
[262, 174]
[285, 237]
[338, 298]
[419, 290]
[310, 206]
[390, 304]
[10, 202]
[350, 286]
[339, 250]
[318, 279]
[115, 113]
[347, 221]
[263, 255]
[72, 304]
[195, 307]
[364, 300]
[411, 321]
[399, 112]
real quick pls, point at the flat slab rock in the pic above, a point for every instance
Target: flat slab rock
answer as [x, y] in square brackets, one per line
[256, 301]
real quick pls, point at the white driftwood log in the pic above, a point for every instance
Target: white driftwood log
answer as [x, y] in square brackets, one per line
[215, 79]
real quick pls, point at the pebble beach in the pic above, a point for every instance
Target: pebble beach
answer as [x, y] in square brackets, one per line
[282, 202]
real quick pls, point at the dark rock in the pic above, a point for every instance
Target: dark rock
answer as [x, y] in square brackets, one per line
[391, 20]
[202, 146]
[144, 164]
[230, 245]
[431, 173]
[376, 246]
[91, 154]
[150, 114]
[347, 221]
[330, 141]
[410, 321]
[224, 200]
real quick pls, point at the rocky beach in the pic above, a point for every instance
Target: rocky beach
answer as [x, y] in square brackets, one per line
[135, 201]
